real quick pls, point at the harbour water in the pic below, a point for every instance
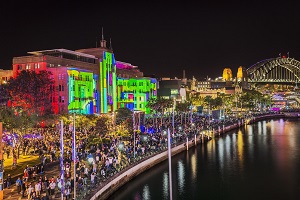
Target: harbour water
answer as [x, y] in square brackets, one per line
[257, 161]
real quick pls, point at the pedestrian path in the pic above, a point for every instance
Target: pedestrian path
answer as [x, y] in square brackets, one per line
[12, 193]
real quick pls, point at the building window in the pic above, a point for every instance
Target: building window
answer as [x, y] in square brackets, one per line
[62, 99]
[174, 91]
[36, 65]
[62, 88]
[19, 67]
[27, 66]
[62, 76]
[59, 88]
[59, 99]
[59, 76]
[141, 84]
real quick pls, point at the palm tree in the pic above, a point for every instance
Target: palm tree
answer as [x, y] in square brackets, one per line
[183, 108]
[208, 101]
[160, 105]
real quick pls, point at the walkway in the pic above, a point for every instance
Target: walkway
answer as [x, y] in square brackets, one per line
[12, 193]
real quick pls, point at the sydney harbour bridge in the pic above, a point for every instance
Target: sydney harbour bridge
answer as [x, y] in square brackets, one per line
[275, 70]
[281, 71]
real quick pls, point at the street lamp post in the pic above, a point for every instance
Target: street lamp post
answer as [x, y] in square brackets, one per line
[170, 164]
[1, 160]
[62, 159]
[170, 150]
[133, 135]
[74, 154]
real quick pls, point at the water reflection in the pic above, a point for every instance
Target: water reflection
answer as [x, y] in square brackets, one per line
[259, 161]
[165, 185]
[146, 193]
[194, 166]
[240, 145]
[181, 175]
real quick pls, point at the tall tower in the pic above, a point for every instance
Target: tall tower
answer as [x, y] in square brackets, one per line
[227, 74]
[102, 41]
[239, 75]
[184, 80]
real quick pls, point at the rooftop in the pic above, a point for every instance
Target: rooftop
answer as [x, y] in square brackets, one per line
[52, 51]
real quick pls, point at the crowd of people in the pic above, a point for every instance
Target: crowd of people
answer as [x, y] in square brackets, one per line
[95, 163]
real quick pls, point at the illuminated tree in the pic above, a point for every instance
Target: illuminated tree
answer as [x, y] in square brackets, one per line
[31, 91]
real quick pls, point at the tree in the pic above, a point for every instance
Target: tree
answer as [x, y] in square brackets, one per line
[183, 108]
[124, 121]
[103, 124]
[159, 105]
[9, 118]
[208, 101]
[31, 91]
[197, 100]
[4, 95]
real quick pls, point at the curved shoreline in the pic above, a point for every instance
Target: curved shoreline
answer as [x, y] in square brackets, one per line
[128, 174]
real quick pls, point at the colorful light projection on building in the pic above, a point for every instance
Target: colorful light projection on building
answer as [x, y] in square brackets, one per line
[134, 93]
[81, 92]
[108, 91]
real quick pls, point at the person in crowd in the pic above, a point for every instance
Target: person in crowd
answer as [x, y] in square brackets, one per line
[19, 185]
[8, 180]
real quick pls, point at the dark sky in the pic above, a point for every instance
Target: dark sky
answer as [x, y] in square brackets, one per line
[161, 38]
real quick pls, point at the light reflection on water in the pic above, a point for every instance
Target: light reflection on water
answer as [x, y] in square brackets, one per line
[165, 186]
[261, 161]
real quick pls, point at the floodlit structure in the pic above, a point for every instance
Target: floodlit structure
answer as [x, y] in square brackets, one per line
[88, 81]
[134, 93]
[227, 74]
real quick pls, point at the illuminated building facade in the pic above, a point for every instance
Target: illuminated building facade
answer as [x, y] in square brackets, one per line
[85, 80]
[107, 81]
[227, 74]
[5, 75]
[239, 74]
[134, 93]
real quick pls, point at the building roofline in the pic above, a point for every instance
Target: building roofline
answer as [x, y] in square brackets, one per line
[42, 52]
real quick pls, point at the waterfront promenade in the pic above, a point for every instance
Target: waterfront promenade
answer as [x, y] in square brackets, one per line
[105, 185]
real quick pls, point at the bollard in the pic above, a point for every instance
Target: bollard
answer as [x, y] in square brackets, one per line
[195, 140]
[187, 144]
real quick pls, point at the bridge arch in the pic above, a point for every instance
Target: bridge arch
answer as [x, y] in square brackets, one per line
[283, 70]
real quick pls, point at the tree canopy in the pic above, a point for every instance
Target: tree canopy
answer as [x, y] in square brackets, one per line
[30, 91]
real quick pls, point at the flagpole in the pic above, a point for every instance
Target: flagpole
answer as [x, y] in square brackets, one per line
[74, 154]
[170, 164]
[62, 172]
[2, 164]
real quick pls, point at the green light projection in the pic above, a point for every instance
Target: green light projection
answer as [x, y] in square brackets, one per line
[134, 93]
[107, 80]
[81, 92]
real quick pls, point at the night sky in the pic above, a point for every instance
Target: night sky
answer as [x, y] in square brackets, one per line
[160, 38]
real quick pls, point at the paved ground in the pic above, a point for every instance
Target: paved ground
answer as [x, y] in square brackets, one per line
[12, 193]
